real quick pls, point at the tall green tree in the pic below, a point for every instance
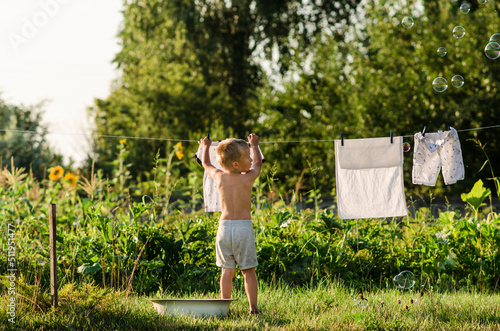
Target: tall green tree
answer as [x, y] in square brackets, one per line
[380, 80]
[161, 92]
[301, 120]
[190, 65]
[393, 77]
[233, 37]
[23, 138]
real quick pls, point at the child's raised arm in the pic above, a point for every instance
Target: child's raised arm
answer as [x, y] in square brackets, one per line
[253, 139]
[205, 159]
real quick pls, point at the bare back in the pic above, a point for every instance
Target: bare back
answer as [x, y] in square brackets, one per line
[235, 192]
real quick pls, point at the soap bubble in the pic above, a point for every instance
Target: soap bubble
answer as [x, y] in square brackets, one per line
[495, 38]
[492, 50]
[361, 303]
[406, 147]
[440, 84]
[465, 8]
[405, 279]
[483, 1]
[407, 22]
[457, 81]
[441, 238]
[458, 32]
[441, 51]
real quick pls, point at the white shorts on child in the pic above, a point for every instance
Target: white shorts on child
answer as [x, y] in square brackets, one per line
[436, 151]
[235, 244]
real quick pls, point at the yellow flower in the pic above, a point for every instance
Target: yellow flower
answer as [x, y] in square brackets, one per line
[56, 172]
[71, 179]
[179, 148]
[124, 143]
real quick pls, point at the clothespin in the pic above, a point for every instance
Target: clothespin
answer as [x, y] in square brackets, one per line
[423, 131]
[391, 136]
[342, 138]
[208, 135]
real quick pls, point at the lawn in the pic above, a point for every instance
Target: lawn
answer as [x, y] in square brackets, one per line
[328, 306]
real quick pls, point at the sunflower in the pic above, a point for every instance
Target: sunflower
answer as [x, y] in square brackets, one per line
[71, 179]
[56, 172]
[179, 148]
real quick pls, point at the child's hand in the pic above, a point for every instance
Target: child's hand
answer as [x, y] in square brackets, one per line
[253, 139]
[205, 142]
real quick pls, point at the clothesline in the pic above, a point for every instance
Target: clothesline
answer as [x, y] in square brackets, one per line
[187, 140]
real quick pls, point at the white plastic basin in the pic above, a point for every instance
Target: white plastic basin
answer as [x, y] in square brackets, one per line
[196, 307]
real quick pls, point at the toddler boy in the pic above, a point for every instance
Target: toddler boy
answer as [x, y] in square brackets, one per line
[235, 242]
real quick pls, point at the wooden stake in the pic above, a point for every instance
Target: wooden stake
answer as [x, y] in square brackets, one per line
[53, 256]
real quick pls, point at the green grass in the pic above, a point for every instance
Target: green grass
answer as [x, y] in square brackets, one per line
[325, 307]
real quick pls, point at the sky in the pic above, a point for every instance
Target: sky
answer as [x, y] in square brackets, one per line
[60, 52]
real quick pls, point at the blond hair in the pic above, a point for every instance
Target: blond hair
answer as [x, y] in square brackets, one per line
[229, 151]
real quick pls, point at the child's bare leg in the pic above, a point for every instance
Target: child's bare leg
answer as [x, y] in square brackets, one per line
[251, 287]
[226, 283]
